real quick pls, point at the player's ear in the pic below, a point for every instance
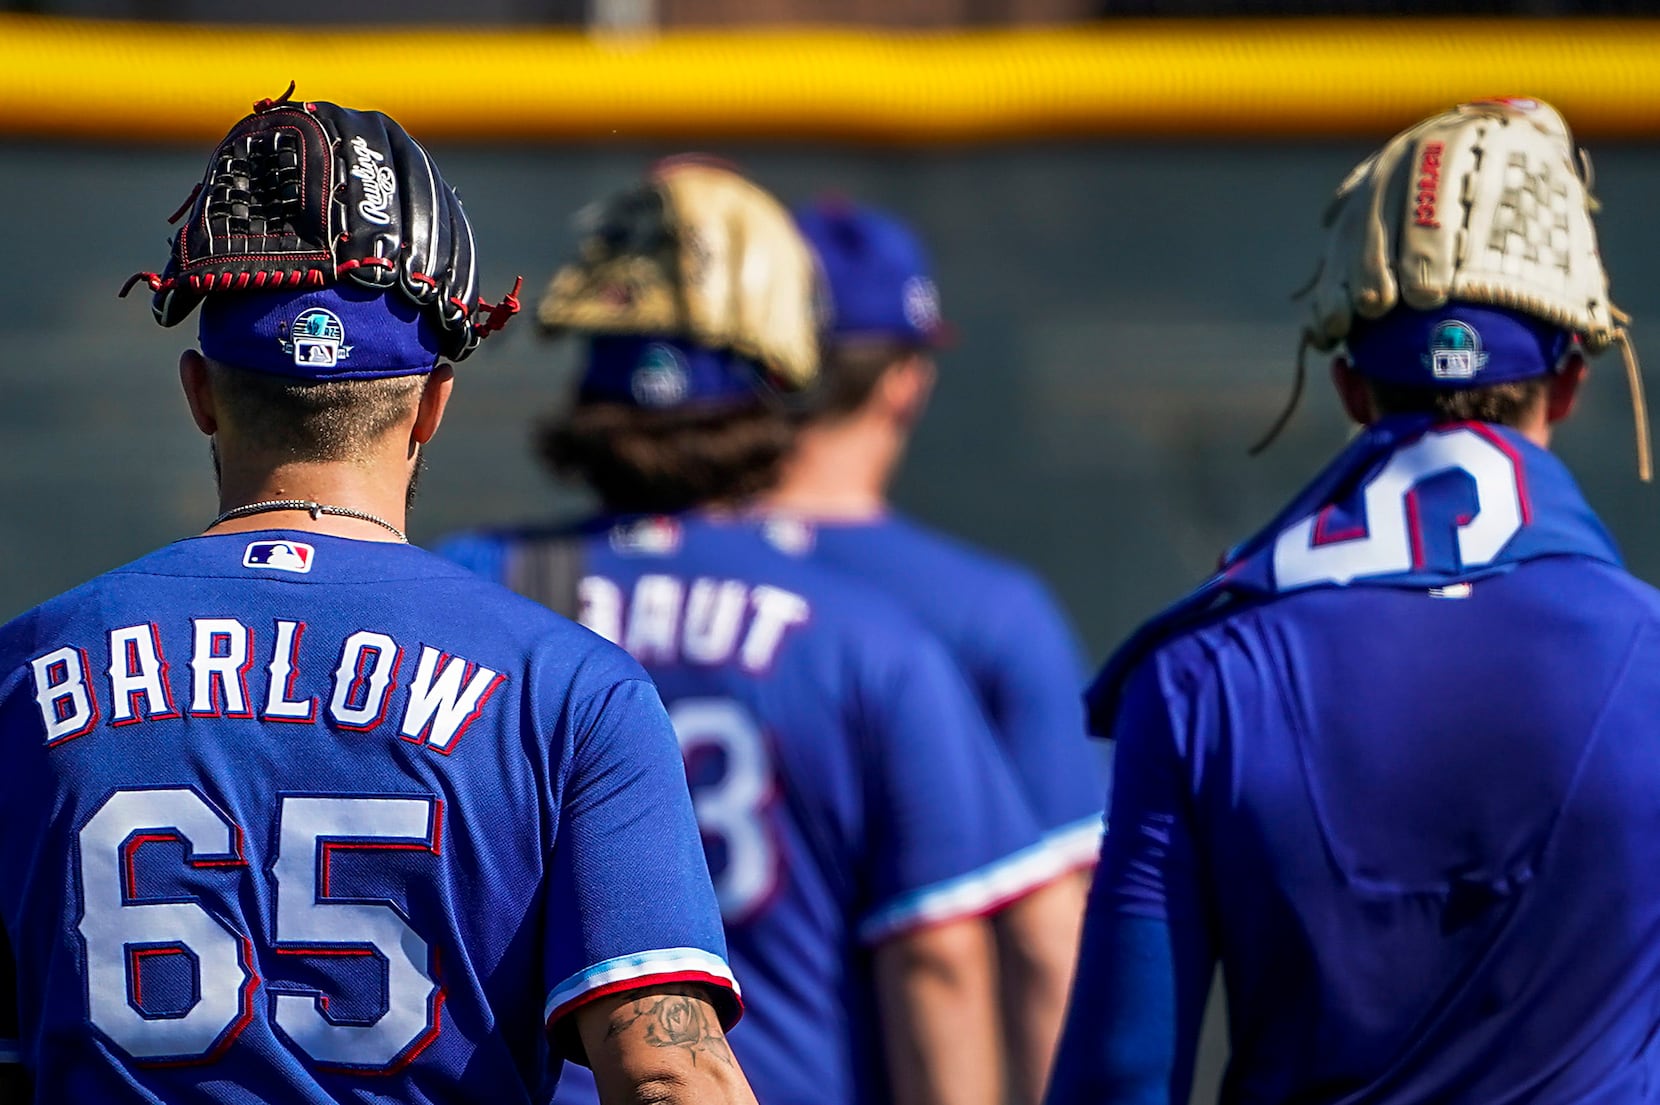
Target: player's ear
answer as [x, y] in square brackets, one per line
[907, 385]
[435, 396]
[1352, 391]
[1562, 392]
[198, 391]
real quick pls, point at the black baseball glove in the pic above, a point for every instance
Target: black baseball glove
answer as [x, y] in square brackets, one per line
[310, 194]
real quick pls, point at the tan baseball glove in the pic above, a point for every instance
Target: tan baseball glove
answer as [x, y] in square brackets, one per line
[699, 252]
[1488, 203]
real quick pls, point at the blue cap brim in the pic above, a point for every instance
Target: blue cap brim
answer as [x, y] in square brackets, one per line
[659, 373]
[1459, 345]
[340, 332]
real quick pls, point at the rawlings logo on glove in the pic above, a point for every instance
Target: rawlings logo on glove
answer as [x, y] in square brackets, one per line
[380, 185]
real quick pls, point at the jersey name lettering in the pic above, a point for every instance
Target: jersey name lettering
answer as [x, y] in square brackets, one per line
[432, 701]
[708, 622]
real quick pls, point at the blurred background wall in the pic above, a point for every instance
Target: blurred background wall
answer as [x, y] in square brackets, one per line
[1126, 327]
[890, 13]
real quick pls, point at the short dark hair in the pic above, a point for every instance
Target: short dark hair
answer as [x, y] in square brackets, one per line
[1507, 404]
[661, 461]
[850, 373]
[305, 420]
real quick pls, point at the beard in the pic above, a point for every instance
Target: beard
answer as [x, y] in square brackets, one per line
[414, 480]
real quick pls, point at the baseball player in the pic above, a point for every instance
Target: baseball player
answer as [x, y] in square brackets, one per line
[995, 618]
[1391, 766]
[858, 818]
[296, 812]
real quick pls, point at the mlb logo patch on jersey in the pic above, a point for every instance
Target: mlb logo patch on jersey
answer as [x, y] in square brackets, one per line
[789, 535]
[284, 556]
[646, 537]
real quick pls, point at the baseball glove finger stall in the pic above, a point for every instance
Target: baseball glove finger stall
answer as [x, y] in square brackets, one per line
[312, 194]
[697, 251]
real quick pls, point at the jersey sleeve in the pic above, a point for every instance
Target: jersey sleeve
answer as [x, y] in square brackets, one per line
[1031, 678]
[629, 901]
[951, 835]
[1144, 968]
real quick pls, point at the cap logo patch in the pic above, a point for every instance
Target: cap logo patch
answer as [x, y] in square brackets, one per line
[316, 340]
[1454, 351]
[921, 302]
[660, 378]
[380, 184]
[284, 556]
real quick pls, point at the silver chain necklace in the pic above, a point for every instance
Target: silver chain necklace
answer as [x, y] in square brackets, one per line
[310, 507]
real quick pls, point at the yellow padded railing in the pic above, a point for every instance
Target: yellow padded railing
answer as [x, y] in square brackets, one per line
[1304, 78]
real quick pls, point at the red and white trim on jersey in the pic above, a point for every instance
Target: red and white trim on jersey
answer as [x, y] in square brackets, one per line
[1079, 844]
[654, 968]
[975, 894]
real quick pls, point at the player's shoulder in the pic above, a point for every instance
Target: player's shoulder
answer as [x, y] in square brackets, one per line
[899, 533]
[847, 615]
[1600, 580]
[102, 593]
[481, 551]
[1555, 602]
[41, 622]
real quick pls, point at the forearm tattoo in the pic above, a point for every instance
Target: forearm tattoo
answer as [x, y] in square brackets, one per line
[677, 1017]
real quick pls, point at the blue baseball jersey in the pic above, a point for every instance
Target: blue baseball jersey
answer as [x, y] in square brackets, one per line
[295, 818]
[1419, 830]
[845, 782]
[1004, 630]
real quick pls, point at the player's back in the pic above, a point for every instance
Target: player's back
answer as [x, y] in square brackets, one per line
[845, 784]
[1004, 631]
[1430, 823]
[290, 804]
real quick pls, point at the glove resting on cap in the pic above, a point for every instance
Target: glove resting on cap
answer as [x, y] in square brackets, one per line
[1488, 204]
[306, 195]
[696, 251]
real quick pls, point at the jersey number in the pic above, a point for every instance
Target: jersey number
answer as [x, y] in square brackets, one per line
[730, 809]
[123, 925]
[1393, 539]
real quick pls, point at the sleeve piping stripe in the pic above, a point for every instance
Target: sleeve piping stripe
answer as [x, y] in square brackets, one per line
[627, 972]
[977, 893]
[10, 1051]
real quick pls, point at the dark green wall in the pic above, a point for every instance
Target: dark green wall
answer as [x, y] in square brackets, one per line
[1126, 329]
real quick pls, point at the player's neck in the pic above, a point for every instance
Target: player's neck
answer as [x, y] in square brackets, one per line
[379, 490]
[840, 471]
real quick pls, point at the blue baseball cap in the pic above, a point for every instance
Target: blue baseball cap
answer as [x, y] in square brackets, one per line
[336, 332]
[1459, 345]
[878, 274]
[661, 373]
